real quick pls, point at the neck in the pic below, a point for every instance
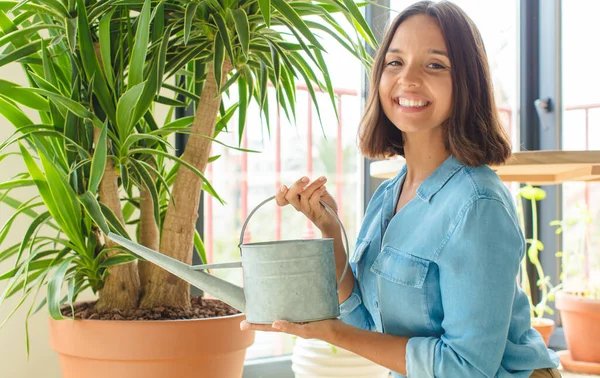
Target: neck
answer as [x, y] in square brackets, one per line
[424, 152]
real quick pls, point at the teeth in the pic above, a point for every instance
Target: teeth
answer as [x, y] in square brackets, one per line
[411, 103]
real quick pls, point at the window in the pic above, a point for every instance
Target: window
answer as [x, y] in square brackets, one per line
[581, 131]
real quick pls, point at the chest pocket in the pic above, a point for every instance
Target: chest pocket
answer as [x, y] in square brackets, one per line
[401, 268]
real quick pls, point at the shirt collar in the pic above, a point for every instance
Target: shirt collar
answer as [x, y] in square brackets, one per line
[435, 181]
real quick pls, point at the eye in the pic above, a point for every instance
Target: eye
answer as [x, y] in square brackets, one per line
[394, 63]
[436, 66]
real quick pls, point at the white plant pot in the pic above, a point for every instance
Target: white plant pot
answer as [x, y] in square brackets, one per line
[318, 359]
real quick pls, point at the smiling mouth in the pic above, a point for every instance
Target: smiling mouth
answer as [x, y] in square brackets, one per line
[406, 103]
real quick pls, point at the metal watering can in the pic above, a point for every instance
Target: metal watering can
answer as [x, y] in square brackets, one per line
[291, 280]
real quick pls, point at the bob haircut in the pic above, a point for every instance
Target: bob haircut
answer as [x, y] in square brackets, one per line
[473, 133]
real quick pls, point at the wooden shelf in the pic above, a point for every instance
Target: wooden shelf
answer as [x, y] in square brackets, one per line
[534, 167]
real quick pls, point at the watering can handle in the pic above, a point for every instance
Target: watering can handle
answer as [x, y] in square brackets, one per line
[322, 203]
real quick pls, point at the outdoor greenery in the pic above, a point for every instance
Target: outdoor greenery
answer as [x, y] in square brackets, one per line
[547, 290]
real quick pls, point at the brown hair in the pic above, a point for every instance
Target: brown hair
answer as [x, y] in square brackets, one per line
[474, 133]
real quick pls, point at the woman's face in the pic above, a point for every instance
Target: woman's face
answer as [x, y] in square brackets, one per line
[415, 90]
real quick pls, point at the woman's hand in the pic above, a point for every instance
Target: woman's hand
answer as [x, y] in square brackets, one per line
[305, 198]
[325, 330]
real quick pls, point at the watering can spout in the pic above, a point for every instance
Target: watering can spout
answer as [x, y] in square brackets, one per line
[227, 292]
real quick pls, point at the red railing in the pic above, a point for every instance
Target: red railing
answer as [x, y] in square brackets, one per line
[308, 230]
[505, 116]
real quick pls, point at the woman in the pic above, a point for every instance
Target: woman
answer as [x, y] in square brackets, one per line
[434, 290]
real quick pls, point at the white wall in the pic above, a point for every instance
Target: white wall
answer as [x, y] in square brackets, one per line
[43, 361]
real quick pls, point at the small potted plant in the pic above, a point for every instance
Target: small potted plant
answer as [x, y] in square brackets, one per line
[579, 301]
[548, 291]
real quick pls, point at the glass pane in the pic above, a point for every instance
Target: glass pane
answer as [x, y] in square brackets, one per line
[580, 131]
[287, 152]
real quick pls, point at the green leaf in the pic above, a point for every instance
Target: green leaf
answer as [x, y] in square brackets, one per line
[21, 52]
[125, 106]
[37, 222]
[140, 48]
[54, 286]
[90, 62]
[364, 27]
[532, 193]
[243, 98]
[118, 259]
[113, 222]
[92, 208]
[218, 59]
[276, 64]
[104, 40]
[16, 184]
[200, 248]
[265, 10]
[23, 208]
[159, 22]
[98, 161]
[73, 106]
[13, 114]
[148, 182]
[25, 32]
[290, 14]
[170, 102]
[536, 244]
[44, 190]
[532, 253]
[162, 59]
[182, 92]
[72, 25]
[224, 33]
[182, 162]
[21, 95]
[243, 29]
[64, 196]
[190, 12]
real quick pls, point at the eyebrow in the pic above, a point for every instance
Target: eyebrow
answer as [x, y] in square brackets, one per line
[430, 51]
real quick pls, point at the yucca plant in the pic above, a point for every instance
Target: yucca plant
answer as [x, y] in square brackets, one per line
[98, 157]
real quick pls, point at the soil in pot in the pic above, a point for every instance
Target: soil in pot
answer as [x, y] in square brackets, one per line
[200, 308]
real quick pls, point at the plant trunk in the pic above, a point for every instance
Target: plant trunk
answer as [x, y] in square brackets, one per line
[177, 239]
[149, 234]
[121, 288]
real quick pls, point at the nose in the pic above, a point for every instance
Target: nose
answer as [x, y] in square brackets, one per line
[409, 76]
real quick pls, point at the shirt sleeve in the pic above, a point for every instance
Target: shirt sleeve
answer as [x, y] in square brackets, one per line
[478, 269]
[353, 312]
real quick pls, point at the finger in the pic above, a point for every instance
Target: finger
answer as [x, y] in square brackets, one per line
[291, 328]
[245, 326]
[295, 189]
[314, 202]
[308, 193]
[280, 196]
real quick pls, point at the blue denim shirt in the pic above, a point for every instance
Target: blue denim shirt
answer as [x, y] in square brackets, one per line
[443, 272]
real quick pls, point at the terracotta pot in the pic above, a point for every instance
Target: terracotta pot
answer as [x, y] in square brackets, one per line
[198, 348]
[581, 322]
[544, 327]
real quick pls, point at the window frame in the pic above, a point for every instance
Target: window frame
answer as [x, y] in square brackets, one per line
[539, 77]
